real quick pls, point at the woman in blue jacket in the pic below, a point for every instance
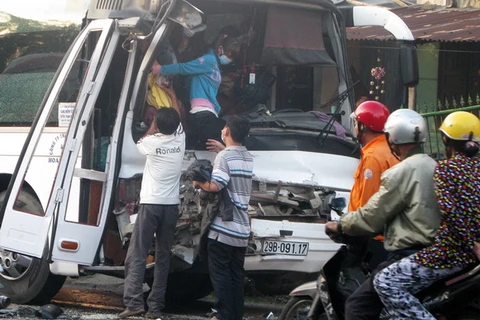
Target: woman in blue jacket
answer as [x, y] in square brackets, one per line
[205, 78]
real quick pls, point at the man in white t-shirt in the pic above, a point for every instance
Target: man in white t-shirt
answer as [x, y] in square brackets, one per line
[164, 147]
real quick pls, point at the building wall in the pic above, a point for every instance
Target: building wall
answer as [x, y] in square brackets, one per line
[427, 94]
[366, 55]
[458, 74]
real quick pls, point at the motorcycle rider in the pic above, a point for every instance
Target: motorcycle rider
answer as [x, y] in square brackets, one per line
[369, 121]
[405, 207]
[457, 186]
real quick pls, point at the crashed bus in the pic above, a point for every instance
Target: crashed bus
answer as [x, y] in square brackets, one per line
[69, 201]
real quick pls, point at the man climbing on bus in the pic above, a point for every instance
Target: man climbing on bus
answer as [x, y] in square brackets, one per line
[164, 147]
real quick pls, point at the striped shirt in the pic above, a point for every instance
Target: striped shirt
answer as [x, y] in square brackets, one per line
[233, 169]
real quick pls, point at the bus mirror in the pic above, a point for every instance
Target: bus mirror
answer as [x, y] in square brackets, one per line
[135, 25]
[188, 16]
[409, 65]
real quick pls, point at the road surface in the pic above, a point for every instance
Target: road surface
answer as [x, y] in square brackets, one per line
[100, 297]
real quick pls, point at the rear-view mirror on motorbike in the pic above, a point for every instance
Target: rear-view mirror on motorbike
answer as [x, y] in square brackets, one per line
[338, 204]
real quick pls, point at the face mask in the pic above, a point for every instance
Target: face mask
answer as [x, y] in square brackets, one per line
[222, 135]
[224, 59]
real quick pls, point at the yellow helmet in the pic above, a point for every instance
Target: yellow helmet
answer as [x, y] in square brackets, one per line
[461, 125]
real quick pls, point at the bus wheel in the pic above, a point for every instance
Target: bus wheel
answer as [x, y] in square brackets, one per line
[25, 279]
[184, 287]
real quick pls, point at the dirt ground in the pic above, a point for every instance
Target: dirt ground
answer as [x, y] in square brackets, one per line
[100, 297]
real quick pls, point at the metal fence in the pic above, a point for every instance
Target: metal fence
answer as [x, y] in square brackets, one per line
[434, 146]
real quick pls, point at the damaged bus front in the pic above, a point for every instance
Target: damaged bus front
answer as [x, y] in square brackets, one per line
[304, 154]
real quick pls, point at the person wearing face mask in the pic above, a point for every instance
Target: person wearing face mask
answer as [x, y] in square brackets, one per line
[204, 79]
[228, 238]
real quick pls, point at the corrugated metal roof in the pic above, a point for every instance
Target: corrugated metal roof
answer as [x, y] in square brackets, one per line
[430, 23]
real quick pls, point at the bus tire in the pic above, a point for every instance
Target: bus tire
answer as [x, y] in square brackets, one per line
[184, 287]
[27, 280]
[187, 287]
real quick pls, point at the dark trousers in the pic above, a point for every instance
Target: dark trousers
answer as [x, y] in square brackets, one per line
[364, 303]
[378, 253]
[202, 126]
[225, 265]
[161, 221]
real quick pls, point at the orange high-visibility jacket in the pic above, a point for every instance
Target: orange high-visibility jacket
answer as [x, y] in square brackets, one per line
[376, 157]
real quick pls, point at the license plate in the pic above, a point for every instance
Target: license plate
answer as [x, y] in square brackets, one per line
[285, 247]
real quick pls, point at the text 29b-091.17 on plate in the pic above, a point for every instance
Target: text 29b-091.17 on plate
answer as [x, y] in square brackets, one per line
[285, 247]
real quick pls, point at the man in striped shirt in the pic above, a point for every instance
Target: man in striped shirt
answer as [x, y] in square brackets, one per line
[227, 240]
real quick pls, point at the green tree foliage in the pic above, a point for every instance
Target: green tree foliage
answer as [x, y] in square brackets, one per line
[20, 37]
[30, 53]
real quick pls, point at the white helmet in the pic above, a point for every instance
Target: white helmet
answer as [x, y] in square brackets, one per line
[405, 126]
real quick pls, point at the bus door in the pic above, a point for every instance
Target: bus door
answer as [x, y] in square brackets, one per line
[64, 221]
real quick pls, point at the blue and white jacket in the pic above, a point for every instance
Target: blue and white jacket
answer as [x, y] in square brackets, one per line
[204, 81]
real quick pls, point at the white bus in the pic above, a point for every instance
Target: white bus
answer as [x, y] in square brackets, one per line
[69, 192]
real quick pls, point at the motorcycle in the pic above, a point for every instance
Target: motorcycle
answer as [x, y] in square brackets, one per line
[453, 298]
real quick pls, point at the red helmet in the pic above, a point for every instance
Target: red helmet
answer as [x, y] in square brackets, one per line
[372, 114]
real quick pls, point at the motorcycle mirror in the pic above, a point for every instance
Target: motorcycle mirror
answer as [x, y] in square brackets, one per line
[338, 204]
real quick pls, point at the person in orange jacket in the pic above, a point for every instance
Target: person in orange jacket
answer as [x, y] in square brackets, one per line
[369, 120]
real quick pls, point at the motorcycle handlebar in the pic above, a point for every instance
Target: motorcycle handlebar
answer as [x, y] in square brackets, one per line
[337, 237]
[340, 237]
